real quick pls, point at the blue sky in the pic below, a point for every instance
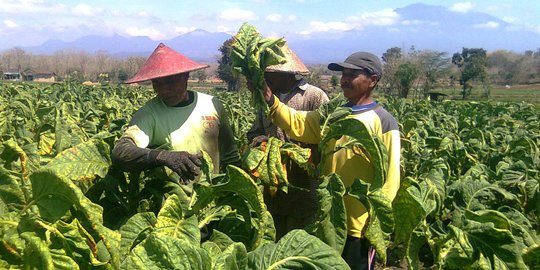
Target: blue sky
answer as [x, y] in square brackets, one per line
[32, 22]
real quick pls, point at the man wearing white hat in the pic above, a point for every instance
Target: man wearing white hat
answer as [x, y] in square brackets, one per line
[298, 207]
[186, 122]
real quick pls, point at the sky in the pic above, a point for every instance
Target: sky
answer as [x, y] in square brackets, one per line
[32, 22]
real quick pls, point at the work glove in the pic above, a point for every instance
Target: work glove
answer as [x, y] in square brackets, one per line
[183, 163]
[258, 140]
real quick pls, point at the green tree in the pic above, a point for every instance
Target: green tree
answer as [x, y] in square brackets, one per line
[405, 74]
[472, 63]
[432, 66]
[392, 58]
[122, 75]
[200, 75]
[225, 70]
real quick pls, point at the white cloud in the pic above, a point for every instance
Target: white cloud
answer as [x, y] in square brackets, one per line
[86, 10]
[224, 29]
[237, 14]
[274, 17]
[30, 6]
[509, 19]
[10, 24]
[418, 22]
[150, 32]
[278, 18]
[535, 28]
[179, 30]
[487, 25]
[143, 14]
[463, 7]
[381, 18]
[386, 17]
[318, 26]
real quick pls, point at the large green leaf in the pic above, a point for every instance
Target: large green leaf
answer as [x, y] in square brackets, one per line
[61, 130]
[251, 54]
[413, 250]
[55, 195]
[381, 219]
[172, 222]
[532, 257]
[233, 257]
[408, 210]
[522, 229]
[10, 240]
[331, 225]
[221, 240]
[37, 255]
[239, 182]
[360, 135]
[296, 250]
[11, 194]
[136, 229]
[12, 152]
[83, 162]
[160, 251]
[75, 242]
[485, 239]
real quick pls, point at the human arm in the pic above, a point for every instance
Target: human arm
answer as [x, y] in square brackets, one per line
[130, 157]
[392, 141]
[299, 125]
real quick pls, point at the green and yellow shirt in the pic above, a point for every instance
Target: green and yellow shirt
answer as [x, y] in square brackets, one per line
[198, 125]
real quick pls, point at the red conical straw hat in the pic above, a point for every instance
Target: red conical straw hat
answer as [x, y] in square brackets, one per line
[164, 62]
[293, 64]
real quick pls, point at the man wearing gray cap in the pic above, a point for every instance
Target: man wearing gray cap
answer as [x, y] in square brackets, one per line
[361, 72]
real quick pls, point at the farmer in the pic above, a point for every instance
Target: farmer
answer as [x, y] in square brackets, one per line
[172, 128]
[361, 72]
[298, 207]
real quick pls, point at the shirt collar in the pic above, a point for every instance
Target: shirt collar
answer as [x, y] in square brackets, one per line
[361, 108]
[301, 84]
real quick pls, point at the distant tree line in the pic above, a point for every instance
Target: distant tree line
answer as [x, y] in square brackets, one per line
[407, 73]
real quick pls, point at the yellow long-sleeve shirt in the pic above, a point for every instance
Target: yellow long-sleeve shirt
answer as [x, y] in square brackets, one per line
[349, 164]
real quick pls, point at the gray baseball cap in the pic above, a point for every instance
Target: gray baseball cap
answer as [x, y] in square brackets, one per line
[359, 60]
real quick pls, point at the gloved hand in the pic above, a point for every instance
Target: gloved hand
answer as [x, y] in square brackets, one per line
[183, 163]
[258, 140]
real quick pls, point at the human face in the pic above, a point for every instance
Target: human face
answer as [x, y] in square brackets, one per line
[357, 85]
[279, 82]
[171, 89]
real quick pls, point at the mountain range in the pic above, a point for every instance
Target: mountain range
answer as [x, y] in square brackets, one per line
[422, 26]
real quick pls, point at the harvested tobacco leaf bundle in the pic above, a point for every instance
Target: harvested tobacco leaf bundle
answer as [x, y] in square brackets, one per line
[267, 162]
[251, 54]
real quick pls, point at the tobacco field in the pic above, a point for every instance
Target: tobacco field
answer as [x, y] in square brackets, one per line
[469, 198]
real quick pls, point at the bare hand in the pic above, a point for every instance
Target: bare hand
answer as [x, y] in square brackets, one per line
[267, 92]
[258, 140]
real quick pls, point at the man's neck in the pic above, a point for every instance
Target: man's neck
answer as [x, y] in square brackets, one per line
[363, 101]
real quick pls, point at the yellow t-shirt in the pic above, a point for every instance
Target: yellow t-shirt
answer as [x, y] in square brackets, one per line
[347, 163]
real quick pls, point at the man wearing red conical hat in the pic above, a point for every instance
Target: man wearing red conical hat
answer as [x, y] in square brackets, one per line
[178, 122]
[298, 207]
